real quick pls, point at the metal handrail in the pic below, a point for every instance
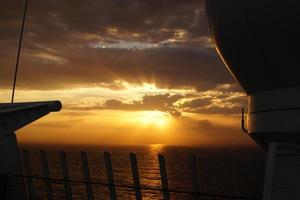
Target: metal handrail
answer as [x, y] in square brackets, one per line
[136, 185]
[57, 180]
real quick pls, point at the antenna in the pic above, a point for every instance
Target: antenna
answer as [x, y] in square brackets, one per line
[19, 51]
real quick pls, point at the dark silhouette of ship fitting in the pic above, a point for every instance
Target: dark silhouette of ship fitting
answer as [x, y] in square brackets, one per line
[258, 40]
[14, 116]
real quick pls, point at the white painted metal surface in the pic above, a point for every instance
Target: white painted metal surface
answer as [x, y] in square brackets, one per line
[275, 111]
[282, 176]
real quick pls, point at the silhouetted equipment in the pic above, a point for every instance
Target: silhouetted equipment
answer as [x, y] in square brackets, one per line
[14, 116]
[258, 41]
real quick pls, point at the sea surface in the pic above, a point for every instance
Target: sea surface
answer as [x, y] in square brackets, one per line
[223, 170]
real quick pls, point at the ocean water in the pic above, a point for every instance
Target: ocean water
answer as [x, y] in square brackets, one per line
[232, 171]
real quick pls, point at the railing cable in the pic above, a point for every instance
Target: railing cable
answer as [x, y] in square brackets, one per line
[57, 180]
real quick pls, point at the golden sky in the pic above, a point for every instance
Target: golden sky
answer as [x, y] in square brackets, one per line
[127, 72]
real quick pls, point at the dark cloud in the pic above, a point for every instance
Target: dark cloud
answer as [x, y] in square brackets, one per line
[204, 124]
[212, 129]
[159, 102]
[172, 104]
[196, 103]
[57, 49]
[217, 110]
[226, 104]
[167, 67]
[128, 16]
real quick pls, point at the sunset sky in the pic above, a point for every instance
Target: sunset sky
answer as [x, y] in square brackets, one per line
[127, 72]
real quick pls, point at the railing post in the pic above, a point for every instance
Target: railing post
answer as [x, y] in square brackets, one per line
[46, 174]
[27, 170]
[163, 176]
[65, 170]
[87, 176]
[110, 176]
[23, 179]
[194, 165]
[235, 188]
[136, 177]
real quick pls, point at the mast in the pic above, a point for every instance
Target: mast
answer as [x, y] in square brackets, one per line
[19, 52]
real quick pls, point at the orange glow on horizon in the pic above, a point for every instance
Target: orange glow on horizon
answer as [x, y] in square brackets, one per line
[138, 114]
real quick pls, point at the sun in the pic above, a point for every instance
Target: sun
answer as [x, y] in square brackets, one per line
[153, 118]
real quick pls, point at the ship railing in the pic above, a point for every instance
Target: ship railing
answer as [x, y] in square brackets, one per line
[136, 186]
